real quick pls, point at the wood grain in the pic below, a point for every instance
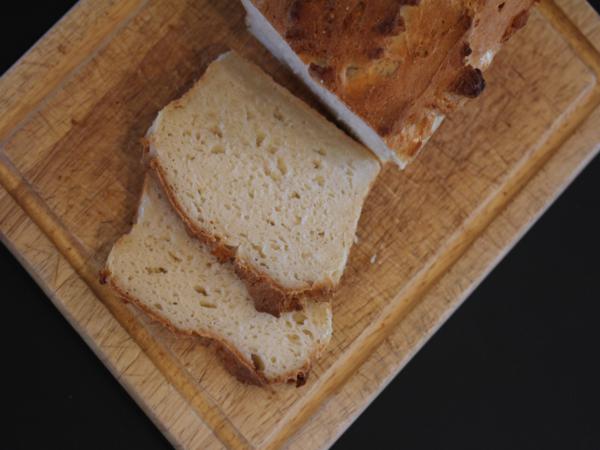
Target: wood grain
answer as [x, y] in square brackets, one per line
[73, 113]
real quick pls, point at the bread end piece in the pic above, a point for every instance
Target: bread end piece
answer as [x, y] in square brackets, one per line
[389, 71]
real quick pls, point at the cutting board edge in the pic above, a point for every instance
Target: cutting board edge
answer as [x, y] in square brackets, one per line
[287, 434]
[473, 286]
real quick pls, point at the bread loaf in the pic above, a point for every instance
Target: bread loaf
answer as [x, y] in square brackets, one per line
[174, 278]
[264, 180]
[389, 70]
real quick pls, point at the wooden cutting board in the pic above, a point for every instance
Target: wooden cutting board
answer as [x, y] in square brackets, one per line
[73, 109]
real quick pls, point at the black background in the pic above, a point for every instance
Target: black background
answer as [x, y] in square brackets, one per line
[515, 368]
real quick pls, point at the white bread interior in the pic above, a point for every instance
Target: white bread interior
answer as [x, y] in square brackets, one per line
[171, 275]
[255, 172]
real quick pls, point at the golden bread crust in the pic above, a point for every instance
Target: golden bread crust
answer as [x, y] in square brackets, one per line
[397, 64]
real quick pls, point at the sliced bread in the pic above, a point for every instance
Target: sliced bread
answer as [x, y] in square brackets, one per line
[264, 180]
[389, 70]
[175, 279]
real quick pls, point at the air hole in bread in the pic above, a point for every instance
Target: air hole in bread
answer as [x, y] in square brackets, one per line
[299, 318]
[201, 290]
[174, 257]
[260, 138]
[282, 166]
[205, 304]
[259, 364]
[216, 131]
[217, 149]
[293, 338]
[270, 174]
[308, 333]
[155, 270]
[259, 250]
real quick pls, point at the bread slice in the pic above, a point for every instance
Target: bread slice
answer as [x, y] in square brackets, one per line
[264, 180]
[175, 279]
[389, 70]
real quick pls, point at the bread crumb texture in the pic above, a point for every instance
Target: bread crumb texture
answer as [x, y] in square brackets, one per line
[262, 174]
[175, 278]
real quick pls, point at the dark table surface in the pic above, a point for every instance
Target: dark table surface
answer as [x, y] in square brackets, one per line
[515, 368]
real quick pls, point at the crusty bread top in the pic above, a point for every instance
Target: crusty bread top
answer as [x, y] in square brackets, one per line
[174, 277]
[262, 178]
[398, 65]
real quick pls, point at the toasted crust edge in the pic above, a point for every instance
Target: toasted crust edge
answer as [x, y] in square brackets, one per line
[268, 296]
[233, 361]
